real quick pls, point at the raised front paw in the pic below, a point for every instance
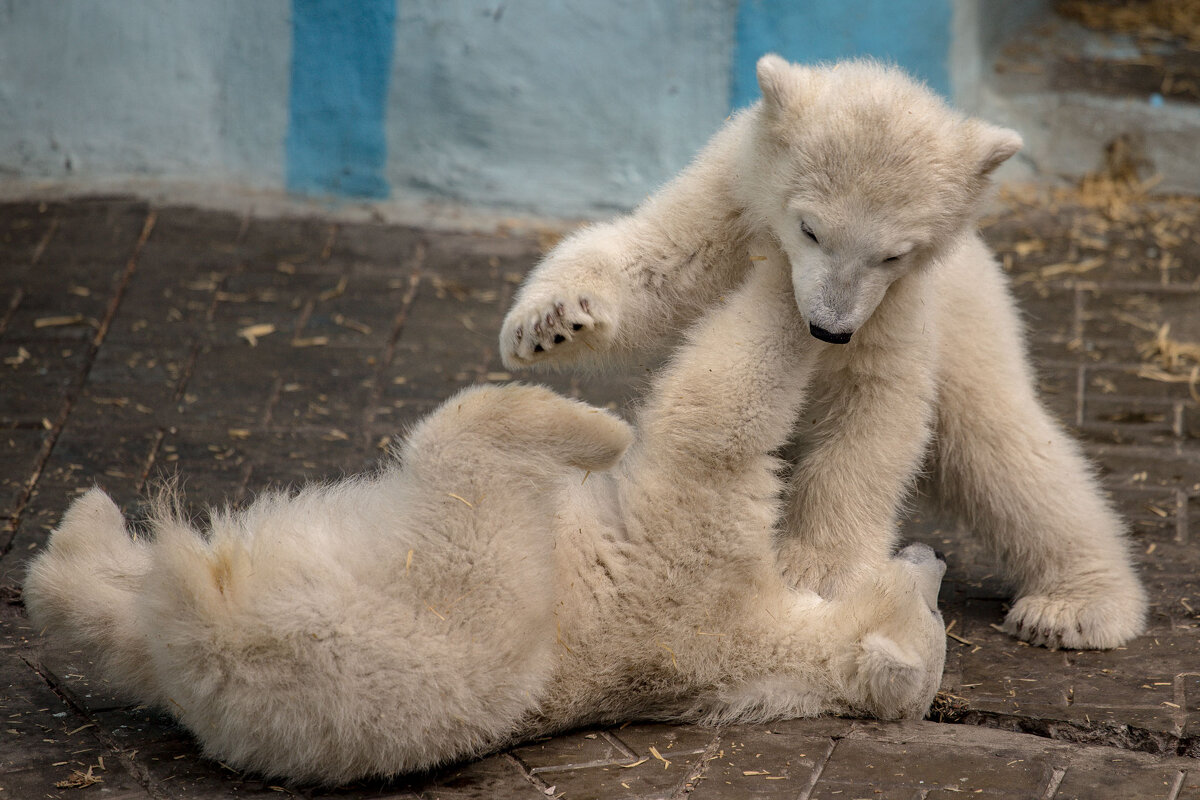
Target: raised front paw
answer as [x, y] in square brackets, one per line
[1083, 621]
[554, 328]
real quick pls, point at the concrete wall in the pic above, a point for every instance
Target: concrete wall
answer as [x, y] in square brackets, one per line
[561, 107]
[163, 88]
[573, 106]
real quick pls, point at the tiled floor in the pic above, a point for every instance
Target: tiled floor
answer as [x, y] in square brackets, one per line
[139, 341]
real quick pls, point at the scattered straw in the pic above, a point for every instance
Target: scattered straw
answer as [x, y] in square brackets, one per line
[654, 752]
[336, 291]
[1172, 361]
[252, 333]
[463, 500]
[354, 325]
[1063, 268]
[20, 358]
[58, 322]
[1115, 190]
[1171, 354]
[948, 707]
[960, 639]
[1151, 19]
[80, 780]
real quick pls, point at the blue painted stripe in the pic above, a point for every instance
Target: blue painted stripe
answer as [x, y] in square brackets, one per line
[915, 34]
[341, 62]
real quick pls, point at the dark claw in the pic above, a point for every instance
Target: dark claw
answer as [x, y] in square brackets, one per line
[1020, 626]
[559, 338]
[539, 349]
[1079, 628]
[939, 555]
[577, 327]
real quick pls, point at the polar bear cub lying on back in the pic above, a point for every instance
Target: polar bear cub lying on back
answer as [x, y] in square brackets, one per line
[480, 591]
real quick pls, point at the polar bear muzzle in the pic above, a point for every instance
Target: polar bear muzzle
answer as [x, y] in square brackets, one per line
[829, 336]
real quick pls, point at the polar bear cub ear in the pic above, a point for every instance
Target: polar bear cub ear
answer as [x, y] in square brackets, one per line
[782, 84]
[993, 145]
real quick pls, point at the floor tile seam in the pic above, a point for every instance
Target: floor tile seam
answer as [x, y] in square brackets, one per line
[1102, 449]
[135, 769]
[1182, 503]
[534, 779]
[819, 767]
[13, 303]
[76, 388]
[44, 242]
[1177, 787]
[1067, 745]
[697, 770]
[415, 265]
[1097, 734]
[1141, 287]
[1167, 402]
[1053, 782]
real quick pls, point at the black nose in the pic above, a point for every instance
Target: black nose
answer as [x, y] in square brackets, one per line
[826, 336]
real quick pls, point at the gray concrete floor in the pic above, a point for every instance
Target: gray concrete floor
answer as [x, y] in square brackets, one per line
[125, 338]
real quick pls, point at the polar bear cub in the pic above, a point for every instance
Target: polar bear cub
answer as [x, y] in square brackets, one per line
[486, 587]
[869, 187]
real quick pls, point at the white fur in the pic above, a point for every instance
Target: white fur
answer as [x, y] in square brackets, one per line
[876, 167]
[485, 588]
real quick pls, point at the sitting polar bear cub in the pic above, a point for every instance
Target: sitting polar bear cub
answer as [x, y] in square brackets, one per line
[485, 589]
[869, 186]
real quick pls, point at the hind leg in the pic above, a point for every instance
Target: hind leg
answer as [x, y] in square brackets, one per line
[84, 590]
[519, 424]
[1022, 483]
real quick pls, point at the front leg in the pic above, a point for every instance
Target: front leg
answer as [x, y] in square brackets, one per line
[1020, 480]
[575, 301]
[619, 289]
[862, 441]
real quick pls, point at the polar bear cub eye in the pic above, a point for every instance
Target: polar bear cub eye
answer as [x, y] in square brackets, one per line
[807, 231]
[899, 253]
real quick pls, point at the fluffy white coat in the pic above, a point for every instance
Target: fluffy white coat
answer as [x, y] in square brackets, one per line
[485, 587]
[869, 187]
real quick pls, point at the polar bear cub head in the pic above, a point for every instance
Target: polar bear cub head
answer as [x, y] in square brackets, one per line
[862, 175]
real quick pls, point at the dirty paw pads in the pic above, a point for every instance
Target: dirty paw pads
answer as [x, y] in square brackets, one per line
[563, 325]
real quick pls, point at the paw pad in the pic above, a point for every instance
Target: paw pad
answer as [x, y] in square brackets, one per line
[533, 330]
